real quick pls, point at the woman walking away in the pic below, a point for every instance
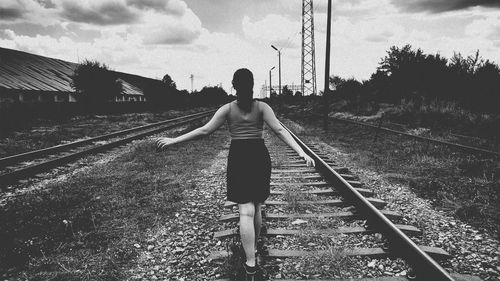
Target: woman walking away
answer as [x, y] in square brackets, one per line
[249, 164]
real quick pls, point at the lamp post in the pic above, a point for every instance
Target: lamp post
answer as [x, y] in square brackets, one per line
[270, 83]
[279, 67]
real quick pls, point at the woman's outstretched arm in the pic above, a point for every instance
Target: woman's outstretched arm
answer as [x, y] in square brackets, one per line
[283, 134]
[217, 120]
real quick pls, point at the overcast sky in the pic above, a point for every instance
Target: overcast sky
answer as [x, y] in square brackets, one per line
[213, 38]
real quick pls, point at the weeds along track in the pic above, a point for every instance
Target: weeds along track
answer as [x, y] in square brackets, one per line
[21, 166]
[321, 224]
[468, 148]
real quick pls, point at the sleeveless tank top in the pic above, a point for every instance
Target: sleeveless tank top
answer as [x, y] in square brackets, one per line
[245, 125]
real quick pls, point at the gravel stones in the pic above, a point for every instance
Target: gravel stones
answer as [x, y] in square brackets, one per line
[473, 250]
[179, 250]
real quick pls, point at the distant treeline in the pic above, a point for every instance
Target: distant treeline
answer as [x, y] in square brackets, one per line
[95, 84]
[410, 74]
[166, 95]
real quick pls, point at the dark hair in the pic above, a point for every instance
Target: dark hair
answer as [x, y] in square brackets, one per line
[243, 84]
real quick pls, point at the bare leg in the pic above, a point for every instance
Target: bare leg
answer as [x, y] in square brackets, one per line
[257, 222]
[247, 231]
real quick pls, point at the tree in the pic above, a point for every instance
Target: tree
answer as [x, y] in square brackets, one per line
[95, 83]
[486, 85]
[210, 95]
[404, 67]
[335, 81]
[286, 92]
[161, 93]
[273, 95]
[407, 73]
[167, 80]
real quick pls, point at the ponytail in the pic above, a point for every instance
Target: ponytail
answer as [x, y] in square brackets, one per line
[243, 84]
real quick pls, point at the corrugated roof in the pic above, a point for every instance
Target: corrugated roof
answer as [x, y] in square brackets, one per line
[130, 89]
[25, 71]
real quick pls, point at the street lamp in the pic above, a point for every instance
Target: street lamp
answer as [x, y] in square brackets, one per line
[279, 67]
[270, 83]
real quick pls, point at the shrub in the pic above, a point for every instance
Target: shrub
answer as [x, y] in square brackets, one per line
[94, 83]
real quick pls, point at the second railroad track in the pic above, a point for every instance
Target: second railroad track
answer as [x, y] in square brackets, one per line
[16, 167]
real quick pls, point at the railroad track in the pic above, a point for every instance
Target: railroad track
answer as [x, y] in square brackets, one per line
[324, 213]
[420, 138]
[21, 166]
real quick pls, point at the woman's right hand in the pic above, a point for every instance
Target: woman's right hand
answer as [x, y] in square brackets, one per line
[161, 143]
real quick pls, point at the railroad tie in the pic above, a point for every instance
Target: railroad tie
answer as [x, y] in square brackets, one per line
[300, 206]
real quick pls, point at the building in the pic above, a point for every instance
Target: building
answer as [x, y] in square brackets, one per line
[29, 78]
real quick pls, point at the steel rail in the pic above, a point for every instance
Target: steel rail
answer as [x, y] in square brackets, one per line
[461, 146]
[424, 266]
[11, 177]
[36, 153]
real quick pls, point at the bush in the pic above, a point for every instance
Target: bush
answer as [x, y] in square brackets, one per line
[410, 74]
[94, 83]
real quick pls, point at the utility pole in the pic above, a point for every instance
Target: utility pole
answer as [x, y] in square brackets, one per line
[327, 65]
[308, 71]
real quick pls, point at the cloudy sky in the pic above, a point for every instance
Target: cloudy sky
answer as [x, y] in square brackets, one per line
[213, 38]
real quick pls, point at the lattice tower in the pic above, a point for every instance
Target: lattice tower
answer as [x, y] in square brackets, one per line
[308, 73]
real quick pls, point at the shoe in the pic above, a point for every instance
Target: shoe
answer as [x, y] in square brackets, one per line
[250, 273]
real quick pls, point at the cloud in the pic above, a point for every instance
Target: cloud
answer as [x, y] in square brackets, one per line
[148, 4]
[172, 7]
[11, 10]
[487, 27]
[176, 34]
[7, 34]
[165, 29]
[440, 6]
[381, 37]
[273, 29]
[100, 13]
[22, 11]
[46, 3]
[10, 13]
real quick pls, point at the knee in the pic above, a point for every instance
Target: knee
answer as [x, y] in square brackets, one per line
[247, 210]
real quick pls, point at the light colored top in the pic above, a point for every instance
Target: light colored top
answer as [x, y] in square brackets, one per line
[245, 125]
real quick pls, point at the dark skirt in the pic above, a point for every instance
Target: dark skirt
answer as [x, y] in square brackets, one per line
[248, 171]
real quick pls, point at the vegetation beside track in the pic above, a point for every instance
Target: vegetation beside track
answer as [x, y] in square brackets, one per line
[45, 133]
[88, 226]
[460, 183]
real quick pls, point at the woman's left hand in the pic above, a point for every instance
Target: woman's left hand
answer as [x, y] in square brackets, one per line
[164, 142]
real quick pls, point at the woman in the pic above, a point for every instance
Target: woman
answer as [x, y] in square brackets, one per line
[249, 164]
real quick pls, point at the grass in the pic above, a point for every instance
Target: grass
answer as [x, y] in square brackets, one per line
[293, 197]
[46, 133]
[441, 117]
[461, 183]
[329, 262]
[84, 228]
